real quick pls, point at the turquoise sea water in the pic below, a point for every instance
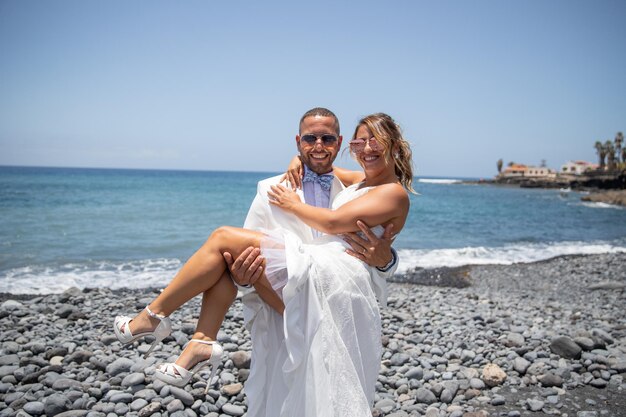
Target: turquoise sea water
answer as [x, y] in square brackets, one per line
[133, 228]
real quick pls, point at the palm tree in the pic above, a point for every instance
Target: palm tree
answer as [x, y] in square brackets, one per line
[619, 138]
[610, 153]
[499, 165]
[601, 153]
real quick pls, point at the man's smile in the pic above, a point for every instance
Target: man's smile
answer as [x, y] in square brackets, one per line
[318, 155]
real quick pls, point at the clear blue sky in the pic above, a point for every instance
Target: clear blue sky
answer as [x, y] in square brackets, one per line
[221, 85]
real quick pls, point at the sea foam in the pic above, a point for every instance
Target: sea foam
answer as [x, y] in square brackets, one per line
[506, 255]
[438, 181]
[146, 273]
[157, 273]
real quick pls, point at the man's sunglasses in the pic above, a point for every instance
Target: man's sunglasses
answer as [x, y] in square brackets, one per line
[327, 139]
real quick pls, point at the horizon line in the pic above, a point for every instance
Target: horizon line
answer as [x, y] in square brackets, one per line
[205, 170]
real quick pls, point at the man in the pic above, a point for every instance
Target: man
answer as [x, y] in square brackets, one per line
[318, 143]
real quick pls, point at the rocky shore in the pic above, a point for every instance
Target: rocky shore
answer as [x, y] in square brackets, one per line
[597, 180]
[607, 197]
[539, 339]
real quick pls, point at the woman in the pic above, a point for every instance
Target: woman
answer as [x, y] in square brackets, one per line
[333, 341]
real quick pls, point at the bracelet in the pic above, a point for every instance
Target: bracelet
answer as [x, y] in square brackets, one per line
[392, 262]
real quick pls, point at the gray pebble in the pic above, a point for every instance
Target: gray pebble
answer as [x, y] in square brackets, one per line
[498, 400]
[136, 378]
[73, 413]
[520, 365]
[514, 340]
[138, 404]
[233, 410]
[11, 359]
[425, 396]
[598, 383]
[34, 408]
[565, 347]
[120, 409]
[414, 373]
[119, 366]
[399, 359]
[7, 370]
[56, 404]
[63, 384]
[477, 383]
[385, 405]
[121, 397]
[185, 397]
[534, 405]
[550, 380]
[603, 335]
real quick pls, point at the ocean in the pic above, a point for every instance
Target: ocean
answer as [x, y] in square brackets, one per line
[64, 227]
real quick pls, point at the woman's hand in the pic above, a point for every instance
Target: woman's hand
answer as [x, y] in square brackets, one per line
[283, 197]
[294, 173]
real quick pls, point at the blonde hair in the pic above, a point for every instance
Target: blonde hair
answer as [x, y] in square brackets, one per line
[389, 135]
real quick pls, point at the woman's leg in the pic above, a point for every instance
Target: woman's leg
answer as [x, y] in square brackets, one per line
[203, 271]
[215, 303]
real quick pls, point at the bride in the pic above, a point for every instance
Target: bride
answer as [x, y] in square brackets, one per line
[333, 340]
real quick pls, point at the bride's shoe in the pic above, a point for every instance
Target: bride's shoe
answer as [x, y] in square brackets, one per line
[176, 375]
[163, 329]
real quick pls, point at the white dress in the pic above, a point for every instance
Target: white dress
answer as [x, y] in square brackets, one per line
[332, 325]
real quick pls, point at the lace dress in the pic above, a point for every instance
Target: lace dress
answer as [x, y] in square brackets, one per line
[331, 325]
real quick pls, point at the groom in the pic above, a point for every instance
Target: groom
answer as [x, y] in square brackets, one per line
[318, 143]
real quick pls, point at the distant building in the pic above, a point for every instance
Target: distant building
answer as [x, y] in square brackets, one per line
[514, 170]
[527, 171]
[577, 167]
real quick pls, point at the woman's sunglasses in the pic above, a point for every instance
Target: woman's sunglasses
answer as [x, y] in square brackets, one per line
[358, 145]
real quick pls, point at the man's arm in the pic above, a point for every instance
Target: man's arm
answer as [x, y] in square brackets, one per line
[374, 251]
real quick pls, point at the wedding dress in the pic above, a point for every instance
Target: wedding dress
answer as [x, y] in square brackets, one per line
[331, 325]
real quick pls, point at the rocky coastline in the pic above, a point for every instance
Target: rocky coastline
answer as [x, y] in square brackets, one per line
[547, 338]
[604, 188]
[607, 197]
[593, 181]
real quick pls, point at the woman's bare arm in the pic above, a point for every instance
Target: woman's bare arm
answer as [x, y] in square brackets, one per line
[348, 177]
[295, 171]
[384, 204]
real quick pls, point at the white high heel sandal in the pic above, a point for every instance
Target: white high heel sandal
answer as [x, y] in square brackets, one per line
[178, 376]
[163, 329]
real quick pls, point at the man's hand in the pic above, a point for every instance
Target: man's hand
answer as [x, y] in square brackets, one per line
[371, 250]
[247, 268]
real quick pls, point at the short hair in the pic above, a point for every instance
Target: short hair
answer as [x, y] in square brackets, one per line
[321, 112]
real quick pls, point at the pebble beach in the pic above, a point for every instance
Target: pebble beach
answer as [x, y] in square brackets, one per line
[537, 339]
